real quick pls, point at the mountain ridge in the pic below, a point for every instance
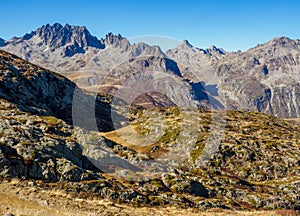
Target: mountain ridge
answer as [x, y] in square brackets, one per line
[110, 37]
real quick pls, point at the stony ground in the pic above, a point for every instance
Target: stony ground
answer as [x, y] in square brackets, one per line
[256, 167]
[21, 198]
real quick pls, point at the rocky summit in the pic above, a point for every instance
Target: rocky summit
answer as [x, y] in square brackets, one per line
[161, 156]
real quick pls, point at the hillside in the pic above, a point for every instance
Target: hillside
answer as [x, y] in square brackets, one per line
[256, 167]
[157, 156]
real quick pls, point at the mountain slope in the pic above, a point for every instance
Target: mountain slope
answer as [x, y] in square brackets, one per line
[196, 63]
[73, 51]
[264, 78]
[40, 91]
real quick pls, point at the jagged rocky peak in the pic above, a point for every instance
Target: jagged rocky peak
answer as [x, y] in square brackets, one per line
[142, 48]
[284, 42]
[115, 40]
[184, 46]
[110, 38]
[214, 49]
[186, 43]
[143, 45]
[57, 35]
[72, 40]
[279, 42]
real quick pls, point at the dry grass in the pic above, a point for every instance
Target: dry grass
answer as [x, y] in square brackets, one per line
[296, 120]
[21, 200]
[128, 136]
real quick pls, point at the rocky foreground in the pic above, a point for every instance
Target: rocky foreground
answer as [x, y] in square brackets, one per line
[229, 160]
[257, 166]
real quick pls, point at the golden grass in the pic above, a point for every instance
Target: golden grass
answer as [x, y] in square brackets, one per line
[128, 137]
[296, 120]
[20, 200]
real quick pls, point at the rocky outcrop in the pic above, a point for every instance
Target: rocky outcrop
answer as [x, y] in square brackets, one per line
[115, 41]
[40, 91]
[256, 166]
[40, 147]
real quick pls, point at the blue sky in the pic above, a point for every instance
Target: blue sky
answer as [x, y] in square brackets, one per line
[231, 24]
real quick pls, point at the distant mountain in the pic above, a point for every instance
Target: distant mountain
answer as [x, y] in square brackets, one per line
[263, 78]
[69, 49]
[194, 61]
[70, 40]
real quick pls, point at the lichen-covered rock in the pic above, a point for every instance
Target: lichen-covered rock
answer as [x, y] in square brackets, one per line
[205, 205]
[40, 147]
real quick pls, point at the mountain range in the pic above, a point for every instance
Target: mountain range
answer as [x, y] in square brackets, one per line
[264, 78]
